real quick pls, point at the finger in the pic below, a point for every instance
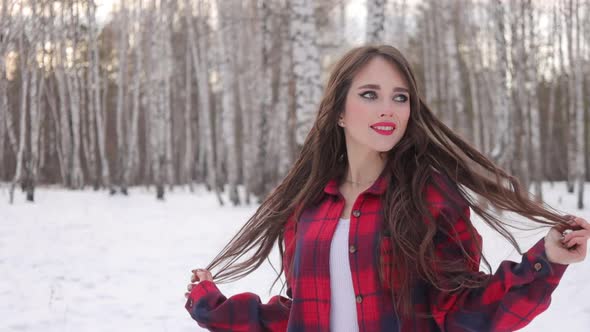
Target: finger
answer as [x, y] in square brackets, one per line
[582, 222]
[573, 234]
[205, 275]
[575, 241]
[195, 278]
[186, 295]
[189, 287]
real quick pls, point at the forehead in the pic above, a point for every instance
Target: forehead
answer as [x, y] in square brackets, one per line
[379, 71]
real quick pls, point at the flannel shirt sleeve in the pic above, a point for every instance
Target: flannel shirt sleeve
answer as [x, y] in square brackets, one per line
[242, 312]
[510, 299]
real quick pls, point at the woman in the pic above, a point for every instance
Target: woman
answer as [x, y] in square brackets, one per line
[373, 224]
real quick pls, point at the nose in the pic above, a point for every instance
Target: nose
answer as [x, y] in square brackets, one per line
[387, 109]
[387, 112]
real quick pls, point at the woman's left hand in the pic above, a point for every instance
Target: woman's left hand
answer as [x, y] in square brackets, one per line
[572, 247]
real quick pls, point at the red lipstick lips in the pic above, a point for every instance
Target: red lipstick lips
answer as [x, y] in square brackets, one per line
[384, 128]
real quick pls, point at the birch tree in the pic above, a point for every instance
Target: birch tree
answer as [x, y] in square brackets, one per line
[306, 65]
[531, 90]
[99, 111]
[455, 103]
[375, 29]
[200, 65]
[226, 36]
[579, 119]
[22, 141]
[503, 142]
[73, 86]
[132, 159]
[5, 25]
[36, 92]
[122, 153]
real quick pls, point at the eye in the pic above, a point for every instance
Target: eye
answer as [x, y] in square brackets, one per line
[401, 98]
[369, 95]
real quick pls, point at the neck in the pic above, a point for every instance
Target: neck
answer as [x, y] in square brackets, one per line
[363, 169]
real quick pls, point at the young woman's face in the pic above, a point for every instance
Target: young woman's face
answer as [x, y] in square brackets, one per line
[377, 108]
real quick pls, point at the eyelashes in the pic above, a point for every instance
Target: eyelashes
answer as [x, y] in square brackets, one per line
[372, 95]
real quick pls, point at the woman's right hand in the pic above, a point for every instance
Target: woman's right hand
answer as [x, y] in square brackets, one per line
[198, 276]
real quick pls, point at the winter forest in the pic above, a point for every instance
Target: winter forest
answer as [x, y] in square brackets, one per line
[163, 93]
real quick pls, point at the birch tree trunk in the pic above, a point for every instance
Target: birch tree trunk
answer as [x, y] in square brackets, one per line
[306, 65]
[99, 111]
[578, 71]
[375, 29]
[200, 66]
[551, 143]
[37, 87]
[20, 159]
[455, 98]
[572, 126]
[503, 145]
[186, 173]
[64, 131]
[3, 110]
[122, 152]
[285, 150]
[429, 59]
[519, 56]
[132, 137]
[72, 79]
[168, 68]
[226, 36]
[534, 112]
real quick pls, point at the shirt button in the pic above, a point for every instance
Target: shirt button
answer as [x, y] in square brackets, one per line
[356, 213]
[352, 249]
[538, 266]
[359, 299]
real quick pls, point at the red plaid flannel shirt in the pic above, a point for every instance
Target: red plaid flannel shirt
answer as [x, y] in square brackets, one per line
[515, 293]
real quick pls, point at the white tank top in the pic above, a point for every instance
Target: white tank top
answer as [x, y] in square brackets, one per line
[343, 317]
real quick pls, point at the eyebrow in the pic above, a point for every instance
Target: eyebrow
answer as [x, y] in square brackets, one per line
[377, 87]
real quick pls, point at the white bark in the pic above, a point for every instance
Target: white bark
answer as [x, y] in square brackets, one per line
[578, 72]
[18, 174]
[306, 65]
[100, 112]
[186, 173]
[200, 65]
[429, 59]
[226, 36]
[503, 144]
[455, 103]
[283, 125]
[77, 177]
[375, 29]
[122, 153]
[534, 112]
[168, 69]
[3, 111]
[519, 56]
[571, 96]
[65, 146]
[132, 136]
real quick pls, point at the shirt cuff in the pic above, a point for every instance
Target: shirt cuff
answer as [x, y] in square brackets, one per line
[542, 267]
[198, 291]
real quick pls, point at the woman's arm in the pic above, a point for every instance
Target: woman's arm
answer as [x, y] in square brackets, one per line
[242, 312]
[513, 296]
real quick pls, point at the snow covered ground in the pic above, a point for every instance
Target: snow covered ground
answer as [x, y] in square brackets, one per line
[85, 261]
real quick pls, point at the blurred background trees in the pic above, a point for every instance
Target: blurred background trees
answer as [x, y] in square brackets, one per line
[113, 94]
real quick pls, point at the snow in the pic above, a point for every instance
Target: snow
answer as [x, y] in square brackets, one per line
[86, 261]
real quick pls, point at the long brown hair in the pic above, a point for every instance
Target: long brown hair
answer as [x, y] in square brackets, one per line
[428, 145]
